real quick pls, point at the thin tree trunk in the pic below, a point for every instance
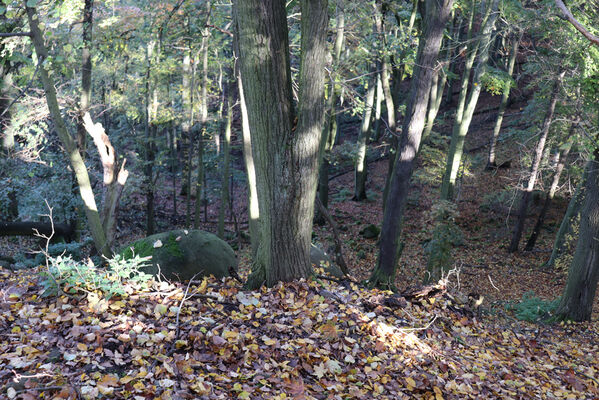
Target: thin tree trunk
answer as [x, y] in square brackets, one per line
[248, 157]
[287, 154]
[385, 81]
[361, 169]
[561, 158]
[570, 216]
[466, 109]
[378, 108]
[115, 177]
[201, 192]
[226, 155]
[491, 163]
[86, 73]
[435, 16]
[77, 163]
[534, 169]
[331, 128]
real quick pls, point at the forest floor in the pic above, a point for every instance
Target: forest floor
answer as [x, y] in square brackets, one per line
[319, 339]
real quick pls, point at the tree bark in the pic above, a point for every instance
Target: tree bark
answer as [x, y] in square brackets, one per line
[115, 177]
[435, 16]
[568, 219]
[331, 127]
[77, 163]
[561, 158]
[466, 112]
[577, 300]
[86, 73]
[286, 153]
[361, 169]
[201, 181]
[534, 169]
[491, 163]
[33, 228]
[226, 156]
[248, 157]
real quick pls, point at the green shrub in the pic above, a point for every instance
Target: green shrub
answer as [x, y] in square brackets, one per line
[65, 274]
[532, 308]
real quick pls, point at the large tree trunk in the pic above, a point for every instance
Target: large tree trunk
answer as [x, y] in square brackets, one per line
[503, 105]
[577, 301]
[77, 163]
[435, 16]
[287, 154]
[534, 169]
[460, 128]
[561, 158]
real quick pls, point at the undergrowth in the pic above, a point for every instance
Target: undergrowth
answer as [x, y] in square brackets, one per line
[532, 308]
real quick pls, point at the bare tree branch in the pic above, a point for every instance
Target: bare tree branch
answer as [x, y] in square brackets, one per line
[11, 34]
[592, 38]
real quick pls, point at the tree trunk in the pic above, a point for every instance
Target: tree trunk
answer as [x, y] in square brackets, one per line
[361, 172]
[435, 16]
[115, 177]
[378, 107]
[149, 135]
[438, 85]
[570, 216]
[491, 163]
[248, 157]
[86, 73]
[226, 155]
[187, 88]
[33, 228]
[561, 158]
[286, 153]
[77, 163]
[466, 109]
[331, 128]
[201, 181]
[534, 169]
[577, 300]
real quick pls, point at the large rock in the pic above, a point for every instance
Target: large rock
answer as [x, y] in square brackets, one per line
[183, 254]
[320, 259]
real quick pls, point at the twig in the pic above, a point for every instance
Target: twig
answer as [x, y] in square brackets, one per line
[492, 284]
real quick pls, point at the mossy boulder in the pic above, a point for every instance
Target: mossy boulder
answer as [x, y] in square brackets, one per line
[320, 259]
[181, 254]
[370, 232]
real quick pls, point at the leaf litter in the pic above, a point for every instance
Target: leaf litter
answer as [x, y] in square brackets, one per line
[302, 340]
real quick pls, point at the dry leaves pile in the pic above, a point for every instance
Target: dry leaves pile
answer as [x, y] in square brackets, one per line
[299, 340]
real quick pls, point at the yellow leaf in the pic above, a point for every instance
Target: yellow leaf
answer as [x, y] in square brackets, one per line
[438, 393]
[160, 309]
[126, 379]
[82, 346]
[229, 335]
[411, 383]
[117, 305]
